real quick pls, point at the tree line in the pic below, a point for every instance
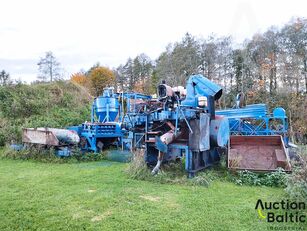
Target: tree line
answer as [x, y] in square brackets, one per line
[271, 68]
[273, 61]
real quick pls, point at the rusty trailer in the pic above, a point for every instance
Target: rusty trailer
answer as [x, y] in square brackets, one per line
[37, 136]
[258, 153]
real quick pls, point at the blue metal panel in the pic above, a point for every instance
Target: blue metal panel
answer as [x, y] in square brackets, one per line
[279, 112]
[63, 152]
[162, 147]
[17, 147]
[250, 111]
[198, 85]
[255, 120]
[106, 109]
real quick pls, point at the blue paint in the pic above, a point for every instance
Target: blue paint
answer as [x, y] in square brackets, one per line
[182, 116]
[200, 131]
[63, 152]
[106, 107]
[255, 120]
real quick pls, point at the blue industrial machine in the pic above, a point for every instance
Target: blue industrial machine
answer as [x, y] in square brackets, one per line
[133, 119]
[104, 129]
[182, 123]
[259, 140]
[107, 117]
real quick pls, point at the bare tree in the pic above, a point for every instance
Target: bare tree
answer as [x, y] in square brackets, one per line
[49, 67]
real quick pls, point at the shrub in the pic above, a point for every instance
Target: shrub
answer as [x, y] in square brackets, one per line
[277, 178]
[47, 155]
[297, 182]
[31, 153]
[58, 104]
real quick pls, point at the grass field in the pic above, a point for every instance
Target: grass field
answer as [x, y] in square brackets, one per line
[100, 196]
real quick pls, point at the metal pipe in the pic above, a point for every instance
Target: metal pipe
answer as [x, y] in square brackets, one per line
[186, 121]
[159, 162]
[176, 123]
[108, 113]
[93, 112]
[139, 140]
[123, 109]
[63, 135]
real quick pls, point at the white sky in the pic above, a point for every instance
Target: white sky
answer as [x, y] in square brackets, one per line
[81, 33]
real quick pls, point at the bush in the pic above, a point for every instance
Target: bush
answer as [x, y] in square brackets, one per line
[297, 182]
[58, 104]
[174, 173]
[9, 131]
[47, 155]
[31, 153]
[277, 178]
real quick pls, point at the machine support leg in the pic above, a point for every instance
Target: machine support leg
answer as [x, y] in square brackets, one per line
[159, 162]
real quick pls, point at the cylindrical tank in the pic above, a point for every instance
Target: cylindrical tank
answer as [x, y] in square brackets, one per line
[168, 137]
[106, 106]
[219, 131]
[63, 135]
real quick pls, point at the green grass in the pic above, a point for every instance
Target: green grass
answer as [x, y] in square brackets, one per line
[100, 196]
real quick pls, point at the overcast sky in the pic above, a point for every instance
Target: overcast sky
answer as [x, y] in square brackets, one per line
[81, 33]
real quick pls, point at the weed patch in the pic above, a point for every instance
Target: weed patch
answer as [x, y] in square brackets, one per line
[47, 155]
[297, 182]
[58, 104]
[174, 173]
[277, 178]
[171, 173]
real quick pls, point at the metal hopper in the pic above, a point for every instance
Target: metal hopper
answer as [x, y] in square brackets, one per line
[257, 153]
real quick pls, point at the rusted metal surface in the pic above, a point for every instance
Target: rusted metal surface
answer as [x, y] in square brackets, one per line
[35, 136]
[63, 135]
[257, 153]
